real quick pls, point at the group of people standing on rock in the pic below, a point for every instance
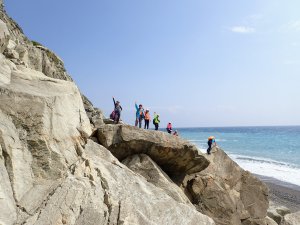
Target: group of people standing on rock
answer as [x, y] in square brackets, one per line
[140, 116]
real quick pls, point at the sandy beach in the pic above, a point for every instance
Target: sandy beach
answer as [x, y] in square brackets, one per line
[282, 193]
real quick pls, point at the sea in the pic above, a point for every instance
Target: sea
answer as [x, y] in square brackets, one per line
[267, 151]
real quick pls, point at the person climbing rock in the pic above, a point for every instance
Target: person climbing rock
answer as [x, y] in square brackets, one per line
[210, 141]
[156, 121]
[116, 114]
[169, 128]
[147, 119]
[139, 115]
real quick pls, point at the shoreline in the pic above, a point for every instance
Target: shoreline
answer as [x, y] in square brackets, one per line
[282, 193]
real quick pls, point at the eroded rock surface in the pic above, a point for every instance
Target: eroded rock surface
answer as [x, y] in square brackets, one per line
[95, 115]
[145, 166]
[4, 36]
[52, 174]
[173, 154]
[227, 193]
[100, 190]
[291, 219]
[31, 54]
[41, 124]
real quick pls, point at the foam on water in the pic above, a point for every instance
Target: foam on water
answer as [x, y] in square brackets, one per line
[267, 167]
[271, 168]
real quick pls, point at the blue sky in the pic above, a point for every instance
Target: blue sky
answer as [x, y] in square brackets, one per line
[196, 62]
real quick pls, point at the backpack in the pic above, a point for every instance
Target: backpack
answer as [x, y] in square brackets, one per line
[112, 115]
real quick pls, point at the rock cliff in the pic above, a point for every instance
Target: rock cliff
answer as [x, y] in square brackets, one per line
[61, 164]
[227, 193]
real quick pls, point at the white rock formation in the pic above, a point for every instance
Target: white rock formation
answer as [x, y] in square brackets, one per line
[50, 172]
[291, 219]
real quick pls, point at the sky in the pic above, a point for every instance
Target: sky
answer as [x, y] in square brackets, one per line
[197, 63]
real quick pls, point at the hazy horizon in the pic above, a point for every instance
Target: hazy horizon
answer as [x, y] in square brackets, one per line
[196, 63]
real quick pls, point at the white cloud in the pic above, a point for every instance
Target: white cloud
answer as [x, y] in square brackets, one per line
[291, 26]
[294, 25]
[242, 29]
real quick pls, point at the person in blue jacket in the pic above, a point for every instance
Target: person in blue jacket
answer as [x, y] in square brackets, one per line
[139, 115]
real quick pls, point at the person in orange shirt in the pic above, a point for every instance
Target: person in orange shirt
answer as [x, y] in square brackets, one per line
[147, 119]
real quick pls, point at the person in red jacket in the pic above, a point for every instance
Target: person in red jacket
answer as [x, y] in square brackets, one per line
[169, 128]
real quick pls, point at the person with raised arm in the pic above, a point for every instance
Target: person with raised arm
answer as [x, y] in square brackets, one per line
[117, 111]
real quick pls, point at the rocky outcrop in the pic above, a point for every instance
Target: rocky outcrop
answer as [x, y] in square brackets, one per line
[291, 219]
[282, 210]
[173, 154]
[41, 124]
[4, 36]
[227, 193]
[50, 172]
[270, 221]
[95, 115]
[277, 213]
[53, 173]
[100, 190]
[31, 54]
[274, 215]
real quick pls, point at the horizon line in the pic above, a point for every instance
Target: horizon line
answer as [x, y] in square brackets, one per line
[242, 126]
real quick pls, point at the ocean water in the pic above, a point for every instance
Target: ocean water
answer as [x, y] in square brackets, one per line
[267, 151]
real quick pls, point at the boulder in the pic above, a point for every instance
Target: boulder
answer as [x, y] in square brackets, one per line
[282, 210]
[145, 166]
[253, 221]
[270, 221]
[227, 193]
[173, 154]
[291, 219]
[273, 214]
